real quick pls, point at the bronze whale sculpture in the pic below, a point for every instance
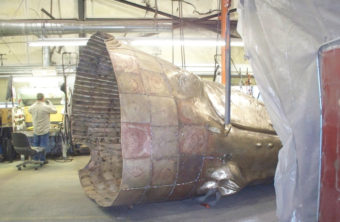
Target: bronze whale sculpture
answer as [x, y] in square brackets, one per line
[156, 132]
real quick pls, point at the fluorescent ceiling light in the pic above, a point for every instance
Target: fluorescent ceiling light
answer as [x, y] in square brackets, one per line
[59, 42]
[176, 42]
[142, 41]
[36, 78]
[48, 71]
[39, 82]
[185, 42]
[236, 42]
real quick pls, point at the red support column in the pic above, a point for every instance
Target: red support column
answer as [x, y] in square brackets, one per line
[330, 169]
[224, 11]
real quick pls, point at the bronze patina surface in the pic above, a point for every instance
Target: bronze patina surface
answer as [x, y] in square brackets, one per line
[156, 132]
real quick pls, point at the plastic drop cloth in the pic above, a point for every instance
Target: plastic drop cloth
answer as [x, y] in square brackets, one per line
[281, 40]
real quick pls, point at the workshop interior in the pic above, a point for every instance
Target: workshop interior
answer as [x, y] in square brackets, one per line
[164, 110]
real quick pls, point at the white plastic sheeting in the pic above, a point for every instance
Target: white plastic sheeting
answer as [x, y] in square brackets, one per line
[282, 39]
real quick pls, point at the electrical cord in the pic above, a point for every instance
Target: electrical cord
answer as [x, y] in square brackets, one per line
[16, 11]
[172, 36]
[195, 9]
[59, 9]
[180, 6]
[10, 50]
[156, 8]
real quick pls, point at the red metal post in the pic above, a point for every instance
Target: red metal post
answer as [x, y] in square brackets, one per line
[224, 11]
[330, 170]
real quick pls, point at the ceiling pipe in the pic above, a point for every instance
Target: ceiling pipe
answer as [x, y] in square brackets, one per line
[61, 27]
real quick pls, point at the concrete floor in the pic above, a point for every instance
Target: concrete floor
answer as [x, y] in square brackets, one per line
[53, 193]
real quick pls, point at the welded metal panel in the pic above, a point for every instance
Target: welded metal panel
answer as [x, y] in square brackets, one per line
[164, 141]
[147, 62]
[136, 173]
[136, 142]
[189, 112]
[123, 62]
[155, 83]
[135, 108]
[182, 191]
[193, 140]
[157, 194]
[163, 111]
[164, 171]
[130, 83]
[189, 170]
[127, 197]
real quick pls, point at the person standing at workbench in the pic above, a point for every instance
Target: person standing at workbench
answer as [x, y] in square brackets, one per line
[40, 112]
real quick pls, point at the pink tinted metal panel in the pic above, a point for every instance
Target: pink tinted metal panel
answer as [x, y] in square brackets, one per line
[136, 141]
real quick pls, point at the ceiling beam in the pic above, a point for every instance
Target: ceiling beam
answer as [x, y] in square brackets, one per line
[47, 13]
[148, 8]
[81, 10]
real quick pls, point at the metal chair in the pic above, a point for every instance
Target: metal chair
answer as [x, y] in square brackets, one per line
[22, 146]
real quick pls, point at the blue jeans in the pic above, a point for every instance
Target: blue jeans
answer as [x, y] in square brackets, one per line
[42, 141]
